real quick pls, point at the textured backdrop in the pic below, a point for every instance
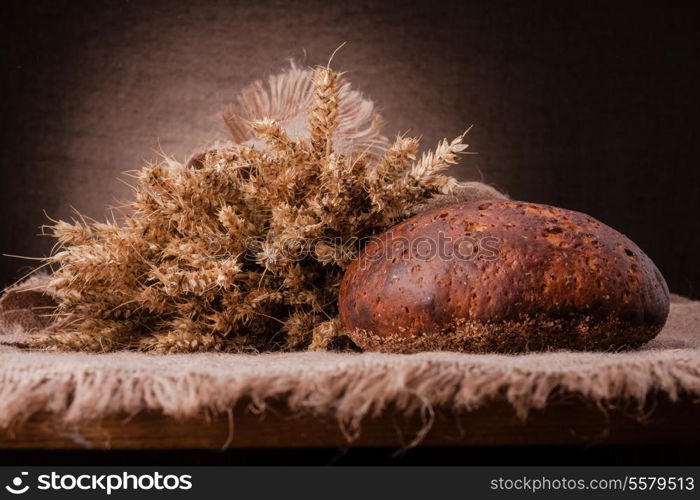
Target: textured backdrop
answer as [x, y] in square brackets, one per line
[591, 107]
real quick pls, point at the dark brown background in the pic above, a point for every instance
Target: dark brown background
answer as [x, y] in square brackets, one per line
[588, 106]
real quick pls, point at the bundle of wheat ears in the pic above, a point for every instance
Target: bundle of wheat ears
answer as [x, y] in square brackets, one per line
[243, 248]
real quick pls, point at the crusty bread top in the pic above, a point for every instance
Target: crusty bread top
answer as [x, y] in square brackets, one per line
[549, 262]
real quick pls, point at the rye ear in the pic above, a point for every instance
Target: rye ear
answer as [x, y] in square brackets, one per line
[288, 98]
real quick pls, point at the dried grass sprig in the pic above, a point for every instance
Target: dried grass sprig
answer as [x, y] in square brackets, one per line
[243, 248]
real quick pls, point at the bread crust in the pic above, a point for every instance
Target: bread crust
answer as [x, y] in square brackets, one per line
[538, 278]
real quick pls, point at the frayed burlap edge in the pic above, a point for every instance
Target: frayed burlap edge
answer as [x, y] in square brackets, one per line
[76, 387]
[349, 387]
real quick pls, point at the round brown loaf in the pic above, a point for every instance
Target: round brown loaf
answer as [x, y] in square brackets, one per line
[502, 276]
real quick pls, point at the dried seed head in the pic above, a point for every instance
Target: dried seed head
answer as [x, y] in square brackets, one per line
[243, 247]
[324, 115]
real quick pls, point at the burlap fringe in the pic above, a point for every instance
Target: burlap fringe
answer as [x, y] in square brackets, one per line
[350, 387]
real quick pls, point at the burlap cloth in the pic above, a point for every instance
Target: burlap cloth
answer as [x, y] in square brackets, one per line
[79, 386]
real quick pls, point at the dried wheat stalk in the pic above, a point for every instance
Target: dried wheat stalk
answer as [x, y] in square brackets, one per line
[244, 247]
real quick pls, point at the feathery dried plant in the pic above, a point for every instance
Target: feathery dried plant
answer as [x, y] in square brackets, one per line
[243, 248]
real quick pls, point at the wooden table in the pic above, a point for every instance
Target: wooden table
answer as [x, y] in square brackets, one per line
[569, 422]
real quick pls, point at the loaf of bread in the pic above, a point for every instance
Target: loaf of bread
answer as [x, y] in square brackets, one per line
[502, 276]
